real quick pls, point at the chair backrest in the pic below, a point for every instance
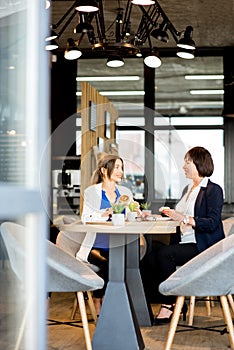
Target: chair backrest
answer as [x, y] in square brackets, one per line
[70, 242]
[209, 273]
[65, 273]
[13, 236]
[228, 226]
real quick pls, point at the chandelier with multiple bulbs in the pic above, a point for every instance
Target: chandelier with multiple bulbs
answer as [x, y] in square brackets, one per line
[91, 29]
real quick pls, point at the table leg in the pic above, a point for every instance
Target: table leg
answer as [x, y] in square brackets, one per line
[134, 282]
[117, 327]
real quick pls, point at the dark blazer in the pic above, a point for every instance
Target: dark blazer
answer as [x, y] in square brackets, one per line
[207, 215]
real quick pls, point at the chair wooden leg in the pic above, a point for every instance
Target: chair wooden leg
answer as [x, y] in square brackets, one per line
[231, 302]
[174, 322]
[91, 306]
[81, 301]
[74, 308]
[227, 319]
[22, 328]
[191, 310]
[208, 305]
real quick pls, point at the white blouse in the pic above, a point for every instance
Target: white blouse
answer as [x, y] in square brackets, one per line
[186, 206]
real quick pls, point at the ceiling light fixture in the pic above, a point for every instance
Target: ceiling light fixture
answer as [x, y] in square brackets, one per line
[51, 45]
[119, 78]
[87, 6]
[115, 61]
[118, 93]
[52, 36]
[72, 52]
[185, 53]
[204, 77]
[121, 38]
[143, 2]
[206, 92]
[160, 33]
[153, 61]
[47, 4]
[186, 42]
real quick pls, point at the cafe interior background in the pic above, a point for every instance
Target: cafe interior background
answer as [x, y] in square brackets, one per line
[156, 114]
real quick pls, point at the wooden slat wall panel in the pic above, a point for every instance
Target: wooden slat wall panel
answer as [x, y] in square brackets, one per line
[89, 137]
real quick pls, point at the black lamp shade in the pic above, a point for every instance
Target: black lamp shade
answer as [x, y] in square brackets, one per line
[83, 28]
[160, 34]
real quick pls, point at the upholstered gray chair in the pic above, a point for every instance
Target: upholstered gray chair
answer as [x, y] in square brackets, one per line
[70, 242]
[228, 226]
[209, 273]
[65, 273]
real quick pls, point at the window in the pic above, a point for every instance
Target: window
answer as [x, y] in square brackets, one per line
[170, 148]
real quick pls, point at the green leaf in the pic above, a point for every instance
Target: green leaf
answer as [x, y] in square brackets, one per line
[118, 208]
[145, 205]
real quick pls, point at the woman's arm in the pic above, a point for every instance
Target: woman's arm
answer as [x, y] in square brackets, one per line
[208, 210]
[92, 203]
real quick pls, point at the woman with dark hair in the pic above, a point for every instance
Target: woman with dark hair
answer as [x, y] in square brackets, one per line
[98, 198]
[199, 213]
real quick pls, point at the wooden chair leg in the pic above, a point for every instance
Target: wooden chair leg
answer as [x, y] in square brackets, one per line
[231, 302]
[74, 308]
[208, 305]
[91, 306]
[227, 319]
[212, 304]
[191, 310]
[174, 322]
[81, 302]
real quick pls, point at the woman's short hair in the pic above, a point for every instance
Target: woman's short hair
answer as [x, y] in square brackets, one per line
[202, 159]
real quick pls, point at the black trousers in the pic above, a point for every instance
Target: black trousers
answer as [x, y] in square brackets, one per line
[169, 257]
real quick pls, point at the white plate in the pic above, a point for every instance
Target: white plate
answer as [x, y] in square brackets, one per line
[163, 218]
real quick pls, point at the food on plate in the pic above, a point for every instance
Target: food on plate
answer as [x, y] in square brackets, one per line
[164, 208]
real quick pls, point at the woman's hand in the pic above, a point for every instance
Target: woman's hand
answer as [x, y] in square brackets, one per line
[137, 209]
[107, 212]
[173, 214]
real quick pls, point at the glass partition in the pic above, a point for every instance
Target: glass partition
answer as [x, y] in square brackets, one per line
[24, 122]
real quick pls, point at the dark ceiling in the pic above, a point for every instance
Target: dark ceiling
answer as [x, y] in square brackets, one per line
[213, 30]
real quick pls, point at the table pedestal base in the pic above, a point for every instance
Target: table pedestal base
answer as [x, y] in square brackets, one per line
[118, 329]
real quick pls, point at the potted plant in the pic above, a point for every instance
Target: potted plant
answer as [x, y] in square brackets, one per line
[145, 208]
[145, 205]
[118, 215]
[132, 214]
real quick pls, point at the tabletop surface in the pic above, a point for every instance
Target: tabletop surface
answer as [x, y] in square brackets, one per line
[144, 227]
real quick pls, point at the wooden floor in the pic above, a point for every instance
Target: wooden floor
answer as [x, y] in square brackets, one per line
[63, 337]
